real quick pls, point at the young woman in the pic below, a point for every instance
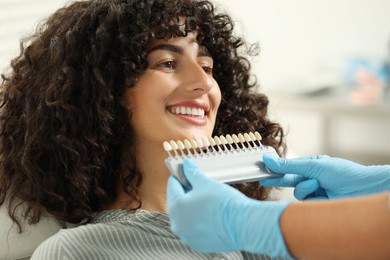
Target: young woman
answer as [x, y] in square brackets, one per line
[88, 104]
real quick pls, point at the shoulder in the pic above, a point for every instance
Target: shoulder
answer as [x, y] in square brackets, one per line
[51, 248]
[91, 241]
[73, 243]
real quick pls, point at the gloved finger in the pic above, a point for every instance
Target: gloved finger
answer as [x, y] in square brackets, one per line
[308, 157]
[305, 188]
[320, 193]
[193, 174]
[285, 181]
[174, 190]
[300, 166]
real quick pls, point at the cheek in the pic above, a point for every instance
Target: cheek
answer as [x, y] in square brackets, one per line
[136, 102]
[217, 96]
[147, 106]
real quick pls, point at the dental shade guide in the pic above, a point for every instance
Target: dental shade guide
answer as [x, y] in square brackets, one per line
[229, 159]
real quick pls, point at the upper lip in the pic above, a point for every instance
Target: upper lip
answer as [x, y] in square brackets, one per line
[191, 103]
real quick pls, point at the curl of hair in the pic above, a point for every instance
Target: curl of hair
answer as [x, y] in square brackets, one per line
[63, 124]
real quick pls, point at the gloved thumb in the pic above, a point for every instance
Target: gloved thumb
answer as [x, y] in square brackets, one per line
[298, 166]
[305, 188]
[192, 172]
[174, 189]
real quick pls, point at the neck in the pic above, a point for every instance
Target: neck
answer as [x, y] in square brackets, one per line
[152, 190]
[155, 175]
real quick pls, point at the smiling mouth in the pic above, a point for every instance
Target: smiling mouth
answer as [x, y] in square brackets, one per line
[188, 111]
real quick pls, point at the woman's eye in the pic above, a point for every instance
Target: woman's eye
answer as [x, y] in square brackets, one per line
[167, 64]
[208, 69]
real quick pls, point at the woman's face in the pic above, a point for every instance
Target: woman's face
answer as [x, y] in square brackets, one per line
[177, 96]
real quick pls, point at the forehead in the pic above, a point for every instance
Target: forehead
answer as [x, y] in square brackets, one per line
[179, 44]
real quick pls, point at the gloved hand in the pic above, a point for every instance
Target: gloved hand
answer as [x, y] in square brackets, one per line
[214, 217]
[321, 177]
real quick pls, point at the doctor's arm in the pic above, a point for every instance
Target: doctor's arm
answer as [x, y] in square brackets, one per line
[356, 228]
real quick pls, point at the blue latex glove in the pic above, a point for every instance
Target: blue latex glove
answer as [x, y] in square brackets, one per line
[214, 217]
[322, 177]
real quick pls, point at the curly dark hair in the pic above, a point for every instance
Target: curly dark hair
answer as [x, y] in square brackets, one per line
[63, 122]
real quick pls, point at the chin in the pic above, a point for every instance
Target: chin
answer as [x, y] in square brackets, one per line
[191, 134]
[199, 134]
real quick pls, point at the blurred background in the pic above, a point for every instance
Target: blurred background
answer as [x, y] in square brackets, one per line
[324, 65]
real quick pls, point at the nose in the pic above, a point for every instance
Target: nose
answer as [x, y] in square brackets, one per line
[196, 79]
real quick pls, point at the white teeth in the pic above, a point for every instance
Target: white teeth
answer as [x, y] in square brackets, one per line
[194, 111]
[200, 112]
[188, 111]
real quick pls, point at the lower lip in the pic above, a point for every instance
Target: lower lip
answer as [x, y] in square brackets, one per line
[198, 121]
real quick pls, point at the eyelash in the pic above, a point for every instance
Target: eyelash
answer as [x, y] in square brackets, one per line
[172, 65]
[167, 64]
[208, 69]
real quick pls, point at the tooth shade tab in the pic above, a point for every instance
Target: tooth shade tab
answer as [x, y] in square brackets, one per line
[235, 139]
[223, 139]
[167, 147]
[193, 144]
[187, 144]
[199, 143]
[241, 138]
[223, 143]
[181, 147]
[180, 144]
[174, 145]
[230, 142]
[258, 136]
[212, 144]
[253, 138]
[218, 144]
[217, 140]
[206, 142]
[229, 139]
[212, 141]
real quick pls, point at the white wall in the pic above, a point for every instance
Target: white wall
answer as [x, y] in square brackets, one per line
[301, 38]
[298, 38]
[18, 18]
[306, 43]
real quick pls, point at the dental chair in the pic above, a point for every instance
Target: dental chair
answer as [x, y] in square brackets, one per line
[15, 246]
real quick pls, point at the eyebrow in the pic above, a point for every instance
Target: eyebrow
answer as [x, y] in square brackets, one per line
[177, 49]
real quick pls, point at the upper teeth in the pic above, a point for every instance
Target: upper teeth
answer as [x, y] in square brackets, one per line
[188, 111]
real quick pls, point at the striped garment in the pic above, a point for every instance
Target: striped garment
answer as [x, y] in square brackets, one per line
[120, 234]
